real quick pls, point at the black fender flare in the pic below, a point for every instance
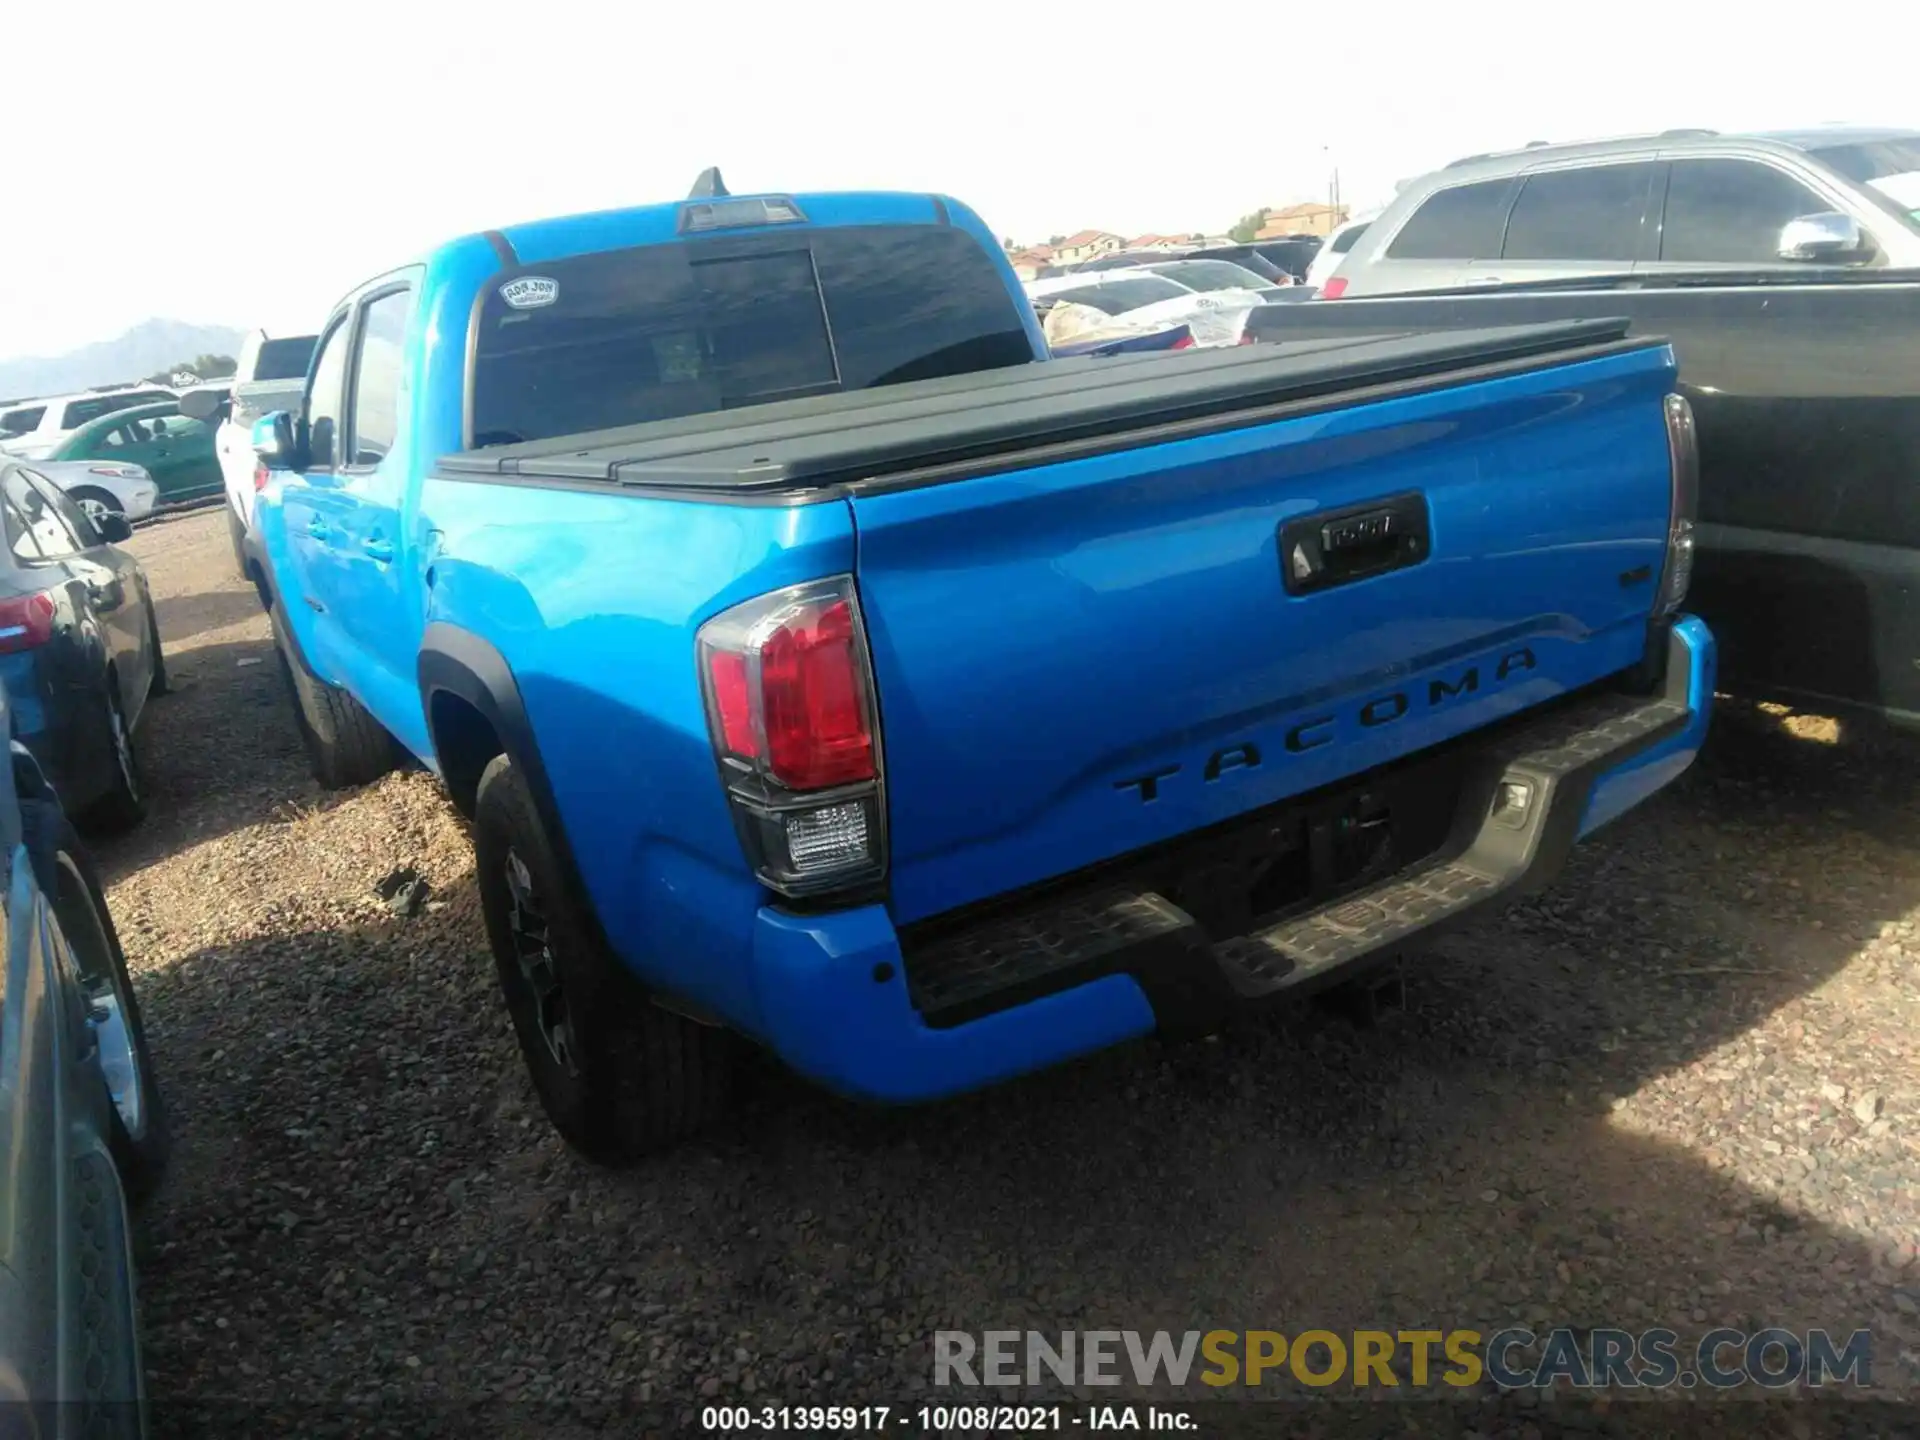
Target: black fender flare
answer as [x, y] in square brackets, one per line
[29, 780]
[460, 664]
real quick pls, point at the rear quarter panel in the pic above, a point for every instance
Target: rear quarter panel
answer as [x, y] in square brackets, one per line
[593, 600]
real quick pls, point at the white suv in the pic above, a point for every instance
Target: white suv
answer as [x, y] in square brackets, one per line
[33, 436]
[271, 375]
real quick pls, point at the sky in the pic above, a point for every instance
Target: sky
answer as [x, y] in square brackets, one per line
[245, 164]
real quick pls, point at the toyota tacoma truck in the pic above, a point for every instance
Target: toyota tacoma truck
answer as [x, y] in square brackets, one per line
[819, 661]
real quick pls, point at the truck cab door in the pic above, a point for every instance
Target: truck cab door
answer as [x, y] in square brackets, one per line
[379, 609]
[312, 508]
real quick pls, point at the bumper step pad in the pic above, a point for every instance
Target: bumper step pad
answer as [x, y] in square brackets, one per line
[1497, 847]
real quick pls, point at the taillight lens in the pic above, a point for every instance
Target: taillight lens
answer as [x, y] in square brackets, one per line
[1683, 455]
[790, 710]
[259, 478]
[1335, 287]
[1185, 342]
[26, 621]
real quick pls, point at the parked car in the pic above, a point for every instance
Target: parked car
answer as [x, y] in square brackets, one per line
[1679, 202]
[83, 1129]
[175, 450]
[59, 417]
[1806, 388]
[79, 647]
[103, 487]
[1142, 300]
[817, 658]
[1326, 260]
[269, 376]
[1291, 253]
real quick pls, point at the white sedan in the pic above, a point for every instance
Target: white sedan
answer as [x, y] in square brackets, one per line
[100, 487]
[1142, 300]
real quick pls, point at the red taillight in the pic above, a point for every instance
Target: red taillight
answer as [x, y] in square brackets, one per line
[26, 621]
[1246, 337]
[1334, 288]
[1185, 342]
[790, 709]
[259, 477]
[814, 703]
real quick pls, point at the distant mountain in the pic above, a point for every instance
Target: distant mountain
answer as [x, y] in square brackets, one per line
[150, 346]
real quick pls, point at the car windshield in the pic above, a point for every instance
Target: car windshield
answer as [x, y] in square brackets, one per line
[1211, 275]
[1116, 297]
[284, 359]
[1888, 171]
[653, 332]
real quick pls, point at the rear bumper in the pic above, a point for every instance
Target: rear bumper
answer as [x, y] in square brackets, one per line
[1098, 962]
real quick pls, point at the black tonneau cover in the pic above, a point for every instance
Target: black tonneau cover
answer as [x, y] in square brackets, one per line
[903, 432]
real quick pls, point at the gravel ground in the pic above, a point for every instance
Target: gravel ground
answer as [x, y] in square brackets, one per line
[1680, 1088]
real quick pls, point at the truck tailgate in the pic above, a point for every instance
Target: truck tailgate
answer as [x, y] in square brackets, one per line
[1089, 648]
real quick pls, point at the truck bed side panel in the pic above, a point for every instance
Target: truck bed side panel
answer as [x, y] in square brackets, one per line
[1081, 659]
[593, 601]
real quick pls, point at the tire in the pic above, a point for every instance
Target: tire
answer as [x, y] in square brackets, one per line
[346, 746]
[125, 803]
[138, 1134]
[87, 496]
[237, 533]
[623, 1078]
[158, 684]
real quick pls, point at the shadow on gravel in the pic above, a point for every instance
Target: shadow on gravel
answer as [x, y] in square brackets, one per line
[184, 617]
[368, 1205]
[218, 752]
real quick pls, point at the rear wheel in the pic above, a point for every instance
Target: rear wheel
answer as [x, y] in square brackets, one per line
[346, 746]
[137, 1133]
[618, 1076]
[124, 805]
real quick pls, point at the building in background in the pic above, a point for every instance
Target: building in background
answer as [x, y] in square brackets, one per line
[1308, 218]
[1084, 245]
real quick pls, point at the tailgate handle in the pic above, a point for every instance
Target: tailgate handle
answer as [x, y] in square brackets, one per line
[1335, 547]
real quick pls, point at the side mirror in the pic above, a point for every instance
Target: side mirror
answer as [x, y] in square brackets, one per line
[274, 442]
[113, 527]
[201, 404]
[1828, 235]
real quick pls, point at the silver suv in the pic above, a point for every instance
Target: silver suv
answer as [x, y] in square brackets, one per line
[1684, 200]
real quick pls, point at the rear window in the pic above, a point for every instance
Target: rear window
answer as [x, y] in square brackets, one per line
[19, 422]
[284, 359]
[1461, 223]
[1116, 297]
[1211, 275]
[1343, 242]
[659, 331]
[79, 412]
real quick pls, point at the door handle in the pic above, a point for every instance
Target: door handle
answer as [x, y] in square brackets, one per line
[378, 550]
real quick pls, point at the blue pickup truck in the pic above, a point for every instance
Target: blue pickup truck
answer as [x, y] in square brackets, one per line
[819, 661]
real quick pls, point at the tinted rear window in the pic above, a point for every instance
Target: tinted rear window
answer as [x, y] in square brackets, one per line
[1589, 213]
[1343, 242]
[1116, 297]
[1462, 223]
[1211, 275]
[19, 422]
[660, 331]
[284, 359]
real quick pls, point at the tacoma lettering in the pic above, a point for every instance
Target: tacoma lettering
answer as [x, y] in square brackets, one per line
[1324, 729]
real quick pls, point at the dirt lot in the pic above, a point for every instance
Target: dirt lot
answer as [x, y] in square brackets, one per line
[1679, 1089]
